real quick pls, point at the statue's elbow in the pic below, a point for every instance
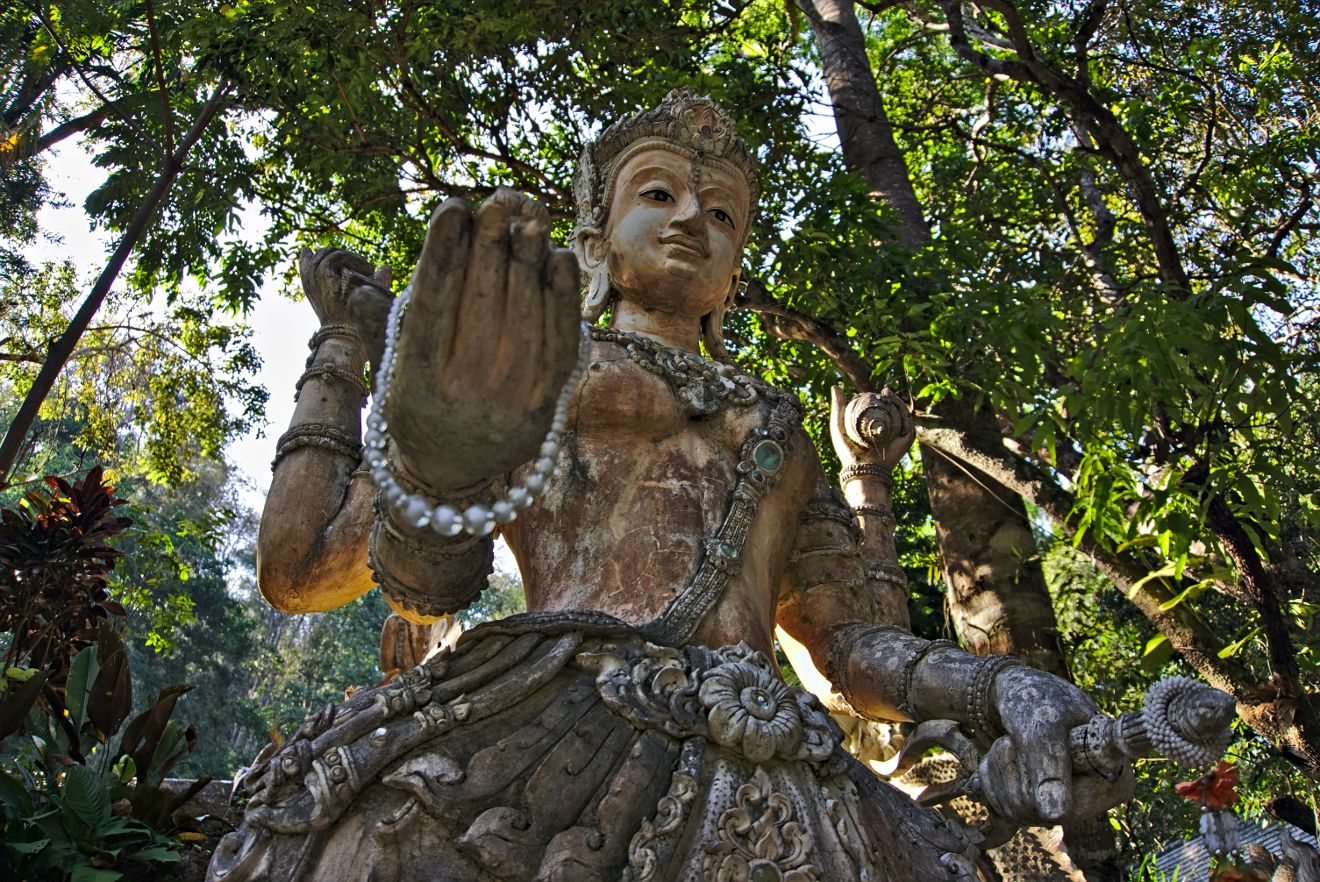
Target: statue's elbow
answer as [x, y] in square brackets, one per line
[302, 585]
[277, 583]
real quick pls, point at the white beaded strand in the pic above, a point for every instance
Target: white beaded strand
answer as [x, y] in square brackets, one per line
[1164, 734]
[478, 519]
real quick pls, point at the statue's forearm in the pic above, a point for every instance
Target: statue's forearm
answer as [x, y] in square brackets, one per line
[867, 487]
[887, 673]
[422, 574]
[311, 550]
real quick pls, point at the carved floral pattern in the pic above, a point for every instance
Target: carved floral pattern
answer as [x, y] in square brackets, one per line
[751, 711]
[760, 840]
[644, 860]
[732, 695]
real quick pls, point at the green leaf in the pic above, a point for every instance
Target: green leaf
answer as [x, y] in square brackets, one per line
[82, 672]
[1162, 573]
[14, 795]
[158, 853]
[94, 874]
[85, 795]
[1235, 647]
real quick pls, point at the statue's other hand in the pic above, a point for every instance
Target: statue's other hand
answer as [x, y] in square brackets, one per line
[488, 340]
[870, 428]
[343, 288]
[1027, 775]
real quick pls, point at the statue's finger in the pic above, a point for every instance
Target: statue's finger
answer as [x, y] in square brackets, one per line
[521, 346]
[562, 314]
[838, 404]
[482, 313]
[445, 249]
[1048, 770]
[533, 210]
[1003, 786]
[437, 284]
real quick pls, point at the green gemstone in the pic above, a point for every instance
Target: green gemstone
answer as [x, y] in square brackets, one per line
[765, 873]
[728, 549]
[768, 455]
[762, 700]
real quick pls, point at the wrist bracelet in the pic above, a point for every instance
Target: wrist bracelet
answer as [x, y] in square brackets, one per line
[978, 691]
[335, 372]
[433, 552]
[911, 668]
[324, 435]
[867, 469]
[883, 513]
[420, 509]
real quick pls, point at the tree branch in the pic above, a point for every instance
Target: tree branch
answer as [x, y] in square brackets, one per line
[790, 324]
[1111, 139]
[159, 67]
[1186, 632]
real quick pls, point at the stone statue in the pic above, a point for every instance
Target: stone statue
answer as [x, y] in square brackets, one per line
[667, 512]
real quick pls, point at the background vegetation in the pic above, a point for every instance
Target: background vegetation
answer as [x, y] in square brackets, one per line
[1081, 237]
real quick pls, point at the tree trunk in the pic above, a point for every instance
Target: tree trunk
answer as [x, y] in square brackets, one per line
[996, 592]
[995, 586]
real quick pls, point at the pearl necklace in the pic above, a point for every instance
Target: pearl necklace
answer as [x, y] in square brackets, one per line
[701, 384]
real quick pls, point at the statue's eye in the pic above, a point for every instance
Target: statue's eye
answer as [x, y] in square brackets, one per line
[723, 217]
[658, 195]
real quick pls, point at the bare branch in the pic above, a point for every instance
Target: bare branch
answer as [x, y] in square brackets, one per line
[790, 324]
[166, 116]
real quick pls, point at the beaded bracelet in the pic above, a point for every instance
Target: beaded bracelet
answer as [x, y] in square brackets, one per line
[421, 510]
[978, 691]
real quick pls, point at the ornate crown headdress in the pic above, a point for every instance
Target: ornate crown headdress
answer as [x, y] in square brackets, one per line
[690, 125]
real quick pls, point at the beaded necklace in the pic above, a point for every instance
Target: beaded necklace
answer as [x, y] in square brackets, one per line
[701, 385]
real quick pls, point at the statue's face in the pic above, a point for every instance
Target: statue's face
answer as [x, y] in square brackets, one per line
[675, 232]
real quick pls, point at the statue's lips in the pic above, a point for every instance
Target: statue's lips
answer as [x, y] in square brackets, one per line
[685, 245]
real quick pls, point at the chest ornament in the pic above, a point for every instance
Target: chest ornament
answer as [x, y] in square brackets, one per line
[702, 386]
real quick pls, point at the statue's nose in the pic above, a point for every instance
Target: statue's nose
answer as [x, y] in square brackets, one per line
[687, 218]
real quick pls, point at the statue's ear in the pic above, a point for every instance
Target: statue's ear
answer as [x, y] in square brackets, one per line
[593, 257]
[592, 250]
[734, 284]
[712, 324]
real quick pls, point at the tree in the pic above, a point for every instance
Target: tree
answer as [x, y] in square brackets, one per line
[135, 79]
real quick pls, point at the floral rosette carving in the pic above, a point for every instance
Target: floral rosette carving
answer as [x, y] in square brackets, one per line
[733, 696]
[751, 712]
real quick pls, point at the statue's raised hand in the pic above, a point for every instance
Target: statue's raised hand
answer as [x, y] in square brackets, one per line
[488, 340]
[873, 427]
[345, 289]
